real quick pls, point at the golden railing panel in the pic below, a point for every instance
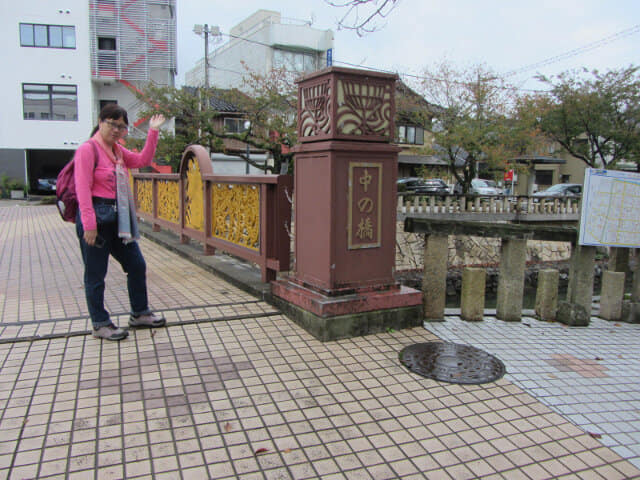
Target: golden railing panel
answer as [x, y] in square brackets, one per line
[169, 200]
[193, 198]
[236, 214]
[144, 197]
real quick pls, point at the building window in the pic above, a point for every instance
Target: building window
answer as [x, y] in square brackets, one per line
[234, 125]
[410, 134]
[104, 103]
[294, 61]
[50, 102]
[544, 178]
[47, 36]
[106, 43]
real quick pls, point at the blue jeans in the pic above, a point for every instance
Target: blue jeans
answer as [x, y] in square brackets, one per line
[96, 261]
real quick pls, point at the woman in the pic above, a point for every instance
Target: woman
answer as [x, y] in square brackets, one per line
[106, 221]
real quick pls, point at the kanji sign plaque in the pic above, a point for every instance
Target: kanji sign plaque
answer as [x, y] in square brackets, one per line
[365, 199]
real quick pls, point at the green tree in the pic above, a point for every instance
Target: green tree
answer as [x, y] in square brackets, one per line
[476, 124]
[594, 117]
[268, 112]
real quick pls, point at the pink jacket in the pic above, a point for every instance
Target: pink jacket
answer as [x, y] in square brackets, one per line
[102, 182]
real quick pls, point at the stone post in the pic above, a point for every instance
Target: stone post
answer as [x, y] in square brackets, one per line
[611, 295]
[619, 259]
[634, 267]
[434, 282]
[511, 280]
[547, 294]
[580, 289]
[473, 293]
[576, 311]
[631, 309]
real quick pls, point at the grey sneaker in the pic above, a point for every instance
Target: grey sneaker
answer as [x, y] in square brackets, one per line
[150, 320]
[110, 332]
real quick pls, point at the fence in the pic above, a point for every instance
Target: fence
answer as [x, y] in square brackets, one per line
[504, 207]
[247, 216]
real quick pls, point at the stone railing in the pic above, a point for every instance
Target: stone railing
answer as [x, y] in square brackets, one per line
[502, 207]
[247, 216]
[576, 310]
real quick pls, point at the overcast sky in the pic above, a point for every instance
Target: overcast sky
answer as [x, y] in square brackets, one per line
[506, 35]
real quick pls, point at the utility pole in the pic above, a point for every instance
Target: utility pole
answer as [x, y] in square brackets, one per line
[206, 55]
[204, 31]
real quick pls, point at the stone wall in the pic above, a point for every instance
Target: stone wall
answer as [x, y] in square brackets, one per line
[465, 250]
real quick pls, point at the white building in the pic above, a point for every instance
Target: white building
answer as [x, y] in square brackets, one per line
[66, 60]
[262, 42]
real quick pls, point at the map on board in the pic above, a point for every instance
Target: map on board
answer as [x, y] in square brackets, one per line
[610, 209]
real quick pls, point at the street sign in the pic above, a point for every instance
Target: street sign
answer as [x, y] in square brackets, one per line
[329, 57]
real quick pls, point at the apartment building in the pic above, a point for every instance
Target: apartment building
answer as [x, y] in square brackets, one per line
[68, 58]
[262, 42]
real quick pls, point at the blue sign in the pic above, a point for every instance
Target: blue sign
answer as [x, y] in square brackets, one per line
[329, 57]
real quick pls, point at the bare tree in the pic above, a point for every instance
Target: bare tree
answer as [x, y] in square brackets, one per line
[362, 15]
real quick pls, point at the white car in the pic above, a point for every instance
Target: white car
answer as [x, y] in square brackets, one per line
[480, 186]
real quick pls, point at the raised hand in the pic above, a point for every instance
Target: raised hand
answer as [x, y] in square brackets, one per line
[156, 121]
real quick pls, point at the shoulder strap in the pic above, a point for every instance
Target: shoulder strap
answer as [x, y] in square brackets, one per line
[95, 154]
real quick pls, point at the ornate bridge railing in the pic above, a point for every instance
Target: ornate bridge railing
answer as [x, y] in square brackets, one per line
[508, 208]
[247, 216]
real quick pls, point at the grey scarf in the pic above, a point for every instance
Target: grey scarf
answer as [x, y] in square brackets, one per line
[127, 221]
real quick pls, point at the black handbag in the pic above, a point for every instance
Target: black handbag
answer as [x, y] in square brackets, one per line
[105, 213]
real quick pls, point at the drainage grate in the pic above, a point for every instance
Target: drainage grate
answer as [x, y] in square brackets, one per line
[453, 363]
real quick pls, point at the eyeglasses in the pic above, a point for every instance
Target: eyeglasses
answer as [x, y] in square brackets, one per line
[117, 126]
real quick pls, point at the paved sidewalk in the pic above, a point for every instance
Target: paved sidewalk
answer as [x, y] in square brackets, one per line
[233, 389]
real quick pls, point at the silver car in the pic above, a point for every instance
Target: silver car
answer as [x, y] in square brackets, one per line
[561, 190]
[480, 186]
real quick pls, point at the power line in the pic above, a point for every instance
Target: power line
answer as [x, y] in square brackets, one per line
[576, 51]
[542, 63]
[417, 77]
[438, 79]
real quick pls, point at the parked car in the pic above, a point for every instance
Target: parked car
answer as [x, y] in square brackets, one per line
[436, 186]
[430, 186]
[480, 186]
[46, 185]
[410, 184]
[561, 190]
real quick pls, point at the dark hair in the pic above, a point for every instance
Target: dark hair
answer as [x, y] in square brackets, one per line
[111, 111]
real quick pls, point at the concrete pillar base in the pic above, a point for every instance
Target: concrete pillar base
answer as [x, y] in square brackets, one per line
[361, 312]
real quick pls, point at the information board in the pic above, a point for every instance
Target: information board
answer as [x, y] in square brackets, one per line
[610, 209]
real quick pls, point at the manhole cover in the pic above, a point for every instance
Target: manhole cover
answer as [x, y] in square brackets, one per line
[453, 363]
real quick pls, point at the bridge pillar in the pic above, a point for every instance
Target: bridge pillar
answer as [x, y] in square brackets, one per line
[345, 209]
